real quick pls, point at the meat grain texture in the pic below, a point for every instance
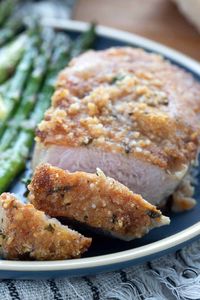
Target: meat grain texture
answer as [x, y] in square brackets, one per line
[27, 233]
[130, 113]
[94, 200]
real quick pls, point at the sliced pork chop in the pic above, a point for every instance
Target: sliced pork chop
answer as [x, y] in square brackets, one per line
[26, 233]
[95, 200]
[128, 112]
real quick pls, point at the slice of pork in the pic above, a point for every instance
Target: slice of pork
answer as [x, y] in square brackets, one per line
[152, 182]
[95, 200]
[26, 233]
[130, 113]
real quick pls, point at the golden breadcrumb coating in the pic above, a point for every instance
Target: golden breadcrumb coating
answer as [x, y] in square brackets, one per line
[127, 101]
[26, 233]
[93, 199]
[183, 196]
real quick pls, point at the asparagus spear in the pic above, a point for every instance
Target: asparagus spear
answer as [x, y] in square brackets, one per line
[4, 87]
[12, 27]
[60, 58]
[17, 83]
[30, 93]
[20, 77]
[10, 56]
[3, 90]
[14, 159]
[2, 108]
[6, 9]
[84, 42]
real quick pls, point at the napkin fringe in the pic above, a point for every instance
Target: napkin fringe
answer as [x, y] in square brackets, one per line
[174, 276]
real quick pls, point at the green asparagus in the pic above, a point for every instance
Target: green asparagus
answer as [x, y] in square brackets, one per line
[3, 91]
[84, 42]
[2, 108]
[6, 9]
[59, 60]
[16, 86]
[13, 159]
[10, 55]
[12, 27]
[11, 90]
[30, 93]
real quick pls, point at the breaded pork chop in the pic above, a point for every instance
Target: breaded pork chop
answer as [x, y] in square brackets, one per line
[26, 233]
[95, 200]
[130, 113]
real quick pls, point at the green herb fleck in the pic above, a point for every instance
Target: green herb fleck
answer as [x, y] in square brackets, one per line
[114, 218]
[153, 214]
[59, 189]
[50, 227]
[118, 77]
[85, 218]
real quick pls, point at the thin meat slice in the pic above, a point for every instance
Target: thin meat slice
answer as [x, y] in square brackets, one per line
[95, 200]
[27, 233]
[130, 113]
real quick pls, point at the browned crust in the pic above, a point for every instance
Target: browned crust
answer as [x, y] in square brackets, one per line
[26, 233]
[95, 200]
[132, 102]
[183, 195]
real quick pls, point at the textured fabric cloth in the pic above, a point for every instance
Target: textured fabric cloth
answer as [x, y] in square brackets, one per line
[175, 276]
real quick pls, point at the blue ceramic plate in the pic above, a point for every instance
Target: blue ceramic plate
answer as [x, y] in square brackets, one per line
[110, 254]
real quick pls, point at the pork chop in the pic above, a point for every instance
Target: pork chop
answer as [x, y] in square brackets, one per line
[95, 200]
[26, 233]
[130, 113]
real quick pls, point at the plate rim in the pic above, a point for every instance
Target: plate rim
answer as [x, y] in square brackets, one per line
[135, 253]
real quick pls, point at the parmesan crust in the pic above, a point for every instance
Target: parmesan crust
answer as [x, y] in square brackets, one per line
[94, 200]
[127, 101]
[26, 233]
